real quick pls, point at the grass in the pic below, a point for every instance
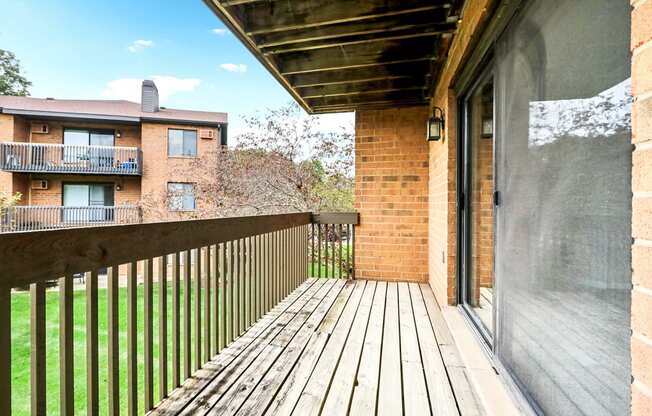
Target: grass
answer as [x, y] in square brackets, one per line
[21, 350]
[327, 269]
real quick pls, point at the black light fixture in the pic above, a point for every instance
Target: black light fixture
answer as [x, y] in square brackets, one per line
[487, 127]
[436, 125]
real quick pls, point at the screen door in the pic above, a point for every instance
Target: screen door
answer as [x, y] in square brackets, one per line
[563, 230]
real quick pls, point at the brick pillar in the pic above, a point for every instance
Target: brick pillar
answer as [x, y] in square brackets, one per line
[391, 194]
[642, 208]
[6, 135]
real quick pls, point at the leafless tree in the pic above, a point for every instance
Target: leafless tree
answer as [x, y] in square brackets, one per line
[282, 163]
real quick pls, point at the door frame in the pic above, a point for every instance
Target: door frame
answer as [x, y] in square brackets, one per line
[464, 177]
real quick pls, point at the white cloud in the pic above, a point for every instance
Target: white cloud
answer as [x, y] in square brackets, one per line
[219, 31]
[234, 67]
[139, 45]
[129, 88]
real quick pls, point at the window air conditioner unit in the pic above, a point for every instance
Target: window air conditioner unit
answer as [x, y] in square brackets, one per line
[207, 134]
[40, 128]
[40, 184]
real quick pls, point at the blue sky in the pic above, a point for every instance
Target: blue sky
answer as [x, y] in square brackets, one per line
[102, 49]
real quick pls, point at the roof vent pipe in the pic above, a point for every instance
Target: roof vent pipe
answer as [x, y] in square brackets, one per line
[149, 97]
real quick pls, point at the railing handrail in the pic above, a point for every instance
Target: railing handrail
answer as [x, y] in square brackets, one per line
[59, 252]
[71, 206]
[70, 145]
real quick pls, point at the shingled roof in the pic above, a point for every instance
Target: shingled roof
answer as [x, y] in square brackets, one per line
[104, 110]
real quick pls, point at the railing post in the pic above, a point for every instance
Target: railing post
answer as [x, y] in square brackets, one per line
[5, 350]
[38, 382]
[66, 354]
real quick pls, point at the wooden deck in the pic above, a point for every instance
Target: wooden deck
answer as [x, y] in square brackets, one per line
[336, 347]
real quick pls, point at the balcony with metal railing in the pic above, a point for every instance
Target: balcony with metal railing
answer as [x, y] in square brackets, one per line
[52, 217]
[63, 158]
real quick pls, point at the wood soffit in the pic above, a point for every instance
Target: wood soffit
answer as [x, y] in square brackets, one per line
[345, 55]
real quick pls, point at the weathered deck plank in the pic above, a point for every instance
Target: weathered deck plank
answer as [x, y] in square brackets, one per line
[183, 395]
[336, 347]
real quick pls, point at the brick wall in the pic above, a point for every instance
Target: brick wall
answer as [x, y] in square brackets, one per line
[128, 195]
[6, 135]
[159, 169]
[642, 208]
[442, 231]
[129, 134]
[391, 194]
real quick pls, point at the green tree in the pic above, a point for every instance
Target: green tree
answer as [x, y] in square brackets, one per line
[11, 80]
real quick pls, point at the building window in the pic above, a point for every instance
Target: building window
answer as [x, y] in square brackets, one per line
[181, 196]
[182, 142]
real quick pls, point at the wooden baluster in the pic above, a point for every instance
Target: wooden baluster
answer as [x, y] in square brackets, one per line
[148, 333]
[66, 353]
[283, 250]
[223, 311]
[236, 288]
[186, 314]
[319, 250]
[246, 262]
[197, 281]
[132, 340]
[353, 251]
[252, 278]
[92, 390]
[335, 251]
[176, 320]
[113, 379]
[259, 274]
[207, 303]
[340, 240]
[312, 250]
[163, 327]
[268, 273]
[264, 288]
[325, 250]
[295, 259]
[231, 289]
[37, 324]
[216, 299]
[277, 282]
[241, 287]
[5, 350]
[349, 243]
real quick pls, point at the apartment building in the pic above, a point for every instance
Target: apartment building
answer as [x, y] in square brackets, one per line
[89, 162]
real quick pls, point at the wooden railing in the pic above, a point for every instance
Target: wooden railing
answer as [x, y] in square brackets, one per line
[212, 280]
[63, 158]
[52, 217]
[332, 249]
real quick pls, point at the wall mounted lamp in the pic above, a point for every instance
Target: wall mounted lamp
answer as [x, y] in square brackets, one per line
[436, 125]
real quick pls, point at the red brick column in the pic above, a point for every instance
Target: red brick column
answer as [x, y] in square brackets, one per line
[642, 208]
[391, 194]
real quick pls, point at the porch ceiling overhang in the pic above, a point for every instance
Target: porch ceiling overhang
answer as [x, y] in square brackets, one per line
[344, 55]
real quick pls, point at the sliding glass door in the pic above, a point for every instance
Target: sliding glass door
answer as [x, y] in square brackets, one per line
[477, 204]
[87, 202]
[563, 237]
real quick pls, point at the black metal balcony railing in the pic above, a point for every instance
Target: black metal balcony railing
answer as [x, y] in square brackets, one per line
[224, 275]
[62, 158]
[49, 217]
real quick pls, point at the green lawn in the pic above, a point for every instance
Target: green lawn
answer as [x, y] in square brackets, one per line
[21, 350]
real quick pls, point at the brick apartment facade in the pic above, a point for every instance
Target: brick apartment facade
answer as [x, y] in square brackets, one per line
[42, 158]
